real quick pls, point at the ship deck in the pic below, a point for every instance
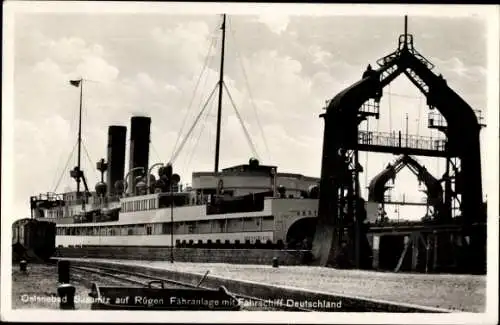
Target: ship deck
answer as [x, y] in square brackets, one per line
[449, 291]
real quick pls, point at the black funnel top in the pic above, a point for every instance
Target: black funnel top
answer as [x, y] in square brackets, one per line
[117, 137]
[139, 147]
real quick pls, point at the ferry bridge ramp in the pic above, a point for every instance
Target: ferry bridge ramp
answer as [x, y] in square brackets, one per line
[340, 228]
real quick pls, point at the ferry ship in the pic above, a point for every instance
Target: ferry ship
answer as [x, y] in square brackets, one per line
[239, 205]
[250, 205]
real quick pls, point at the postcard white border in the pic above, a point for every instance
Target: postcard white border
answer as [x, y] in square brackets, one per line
[490, 13]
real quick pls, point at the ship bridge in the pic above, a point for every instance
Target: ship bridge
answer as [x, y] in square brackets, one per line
[252, 178]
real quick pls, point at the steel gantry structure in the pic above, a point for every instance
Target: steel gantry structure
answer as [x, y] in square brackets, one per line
[340, 228]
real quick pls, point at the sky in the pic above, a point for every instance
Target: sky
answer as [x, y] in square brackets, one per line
[279, 69]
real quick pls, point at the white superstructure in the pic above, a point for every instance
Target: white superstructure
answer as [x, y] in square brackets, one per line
[146, 220]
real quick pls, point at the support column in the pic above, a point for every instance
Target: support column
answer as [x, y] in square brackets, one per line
[447, 192]
[357, 212]
[376, 251]
[407, 243]
[435, 251]
[414, 255]
[427, 249]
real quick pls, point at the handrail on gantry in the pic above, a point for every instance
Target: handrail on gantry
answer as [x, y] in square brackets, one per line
[395, 140]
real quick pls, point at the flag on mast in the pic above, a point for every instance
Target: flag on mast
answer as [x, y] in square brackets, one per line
[75, 83]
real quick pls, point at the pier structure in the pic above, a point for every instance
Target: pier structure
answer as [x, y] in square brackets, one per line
[341, 227]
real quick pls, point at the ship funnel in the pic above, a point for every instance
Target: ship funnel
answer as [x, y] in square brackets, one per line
[139, 147]
[117, 137]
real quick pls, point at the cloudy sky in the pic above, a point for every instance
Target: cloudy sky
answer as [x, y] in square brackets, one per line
[280, 68]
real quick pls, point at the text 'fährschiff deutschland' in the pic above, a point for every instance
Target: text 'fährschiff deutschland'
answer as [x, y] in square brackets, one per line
[291, 303]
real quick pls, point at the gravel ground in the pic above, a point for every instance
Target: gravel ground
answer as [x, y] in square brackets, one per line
[38, 289]
[450, 291]
[40, 284]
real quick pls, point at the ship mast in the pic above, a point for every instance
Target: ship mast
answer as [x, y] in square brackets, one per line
[77, 172]
[79, 140]
[221, 84]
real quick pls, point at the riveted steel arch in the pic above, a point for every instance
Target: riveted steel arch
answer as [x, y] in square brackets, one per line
[378, 184]
[342, 119]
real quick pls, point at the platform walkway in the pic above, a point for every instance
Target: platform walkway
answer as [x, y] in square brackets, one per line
[448, 291]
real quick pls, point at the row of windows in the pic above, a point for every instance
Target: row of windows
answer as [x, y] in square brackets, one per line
[140, 205]
[307, 213]
[226, 243]
[60, 213]
[180, 228]
[55, 214]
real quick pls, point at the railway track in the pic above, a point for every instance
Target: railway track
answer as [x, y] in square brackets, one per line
[139, 279]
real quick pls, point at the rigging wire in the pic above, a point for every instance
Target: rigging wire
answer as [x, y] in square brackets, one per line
[57, 169]
[212, 136]
[200, 104]
[73, 124]
[192, 145]
[154, 151]
[205, 65]
[192, 127]
[205, 83]
[60, 160]
[90, 160]
[203, 94]
[202, 128]
[245, 77]
[247, 135]
[65, 167]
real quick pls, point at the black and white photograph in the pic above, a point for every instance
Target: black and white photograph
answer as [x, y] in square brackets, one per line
[212, 162]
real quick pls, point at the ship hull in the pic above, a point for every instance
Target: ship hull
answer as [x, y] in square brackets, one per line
[236, 255]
